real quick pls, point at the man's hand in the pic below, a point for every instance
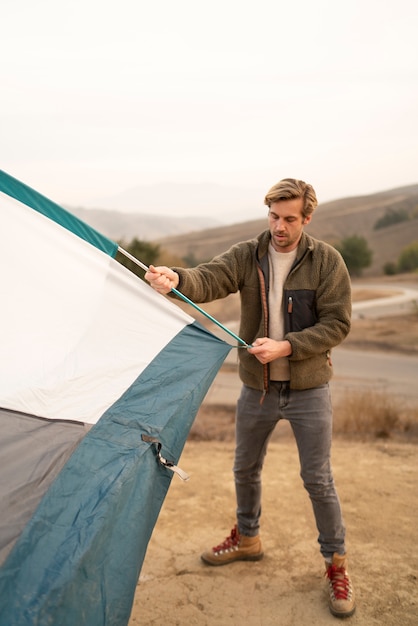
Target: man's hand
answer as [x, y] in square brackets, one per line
[267, 350]
[162, 278]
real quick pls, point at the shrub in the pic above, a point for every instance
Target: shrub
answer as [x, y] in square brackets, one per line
[392, 216]
[356, 253]
[390, 268]
[408, 259]
[140, 250]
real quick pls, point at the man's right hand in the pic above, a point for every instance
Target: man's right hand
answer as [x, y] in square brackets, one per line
[162, 278]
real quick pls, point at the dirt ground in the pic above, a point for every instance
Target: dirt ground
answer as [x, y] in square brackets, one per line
[377, 486]
[377, 483]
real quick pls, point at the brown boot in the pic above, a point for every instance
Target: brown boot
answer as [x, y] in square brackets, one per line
[236, 547]
[341, 593]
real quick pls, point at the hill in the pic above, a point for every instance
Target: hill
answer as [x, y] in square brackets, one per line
[124, 226]
[332, 222]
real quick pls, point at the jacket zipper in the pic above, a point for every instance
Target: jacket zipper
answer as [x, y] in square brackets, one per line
[266, 368]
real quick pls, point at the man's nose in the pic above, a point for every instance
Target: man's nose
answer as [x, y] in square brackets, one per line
[279, 224]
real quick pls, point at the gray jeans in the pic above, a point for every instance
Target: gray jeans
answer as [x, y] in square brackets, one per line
[310, 415]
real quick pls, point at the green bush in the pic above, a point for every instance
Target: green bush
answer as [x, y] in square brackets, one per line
[392, 216]
[140, 250]
[390, 268]
[356, 253]
[408, 259]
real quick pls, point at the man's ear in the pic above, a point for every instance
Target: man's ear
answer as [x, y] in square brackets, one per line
[306, 220]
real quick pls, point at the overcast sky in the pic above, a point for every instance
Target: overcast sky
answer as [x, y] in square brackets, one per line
[98, 97]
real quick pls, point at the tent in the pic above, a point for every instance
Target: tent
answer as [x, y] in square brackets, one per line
[101, 379]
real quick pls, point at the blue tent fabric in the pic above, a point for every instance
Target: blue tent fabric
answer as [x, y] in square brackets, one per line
[79, 558]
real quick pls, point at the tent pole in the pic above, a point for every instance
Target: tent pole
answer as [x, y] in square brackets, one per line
[186, 299]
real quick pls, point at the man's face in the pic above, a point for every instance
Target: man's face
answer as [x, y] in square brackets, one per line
[286, 224]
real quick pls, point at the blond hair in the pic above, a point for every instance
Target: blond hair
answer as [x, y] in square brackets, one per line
[290, 188]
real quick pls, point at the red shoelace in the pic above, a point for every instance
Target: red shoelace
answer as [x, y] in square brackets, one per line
[340, 582]
[230, 542]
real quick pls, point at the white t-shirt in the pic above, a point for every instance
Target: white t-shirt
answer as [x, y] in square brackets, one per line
[279, 264]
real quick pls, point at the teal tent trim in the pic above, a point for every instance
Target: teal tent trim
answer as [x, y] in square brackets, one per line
[18, 190]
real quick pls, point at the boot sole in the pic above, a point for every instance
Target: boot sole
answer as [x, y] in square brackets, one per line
[249, 557]
[342, 615]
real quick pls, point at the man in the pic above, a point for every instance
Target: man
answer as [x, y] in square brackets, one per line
[295, 307]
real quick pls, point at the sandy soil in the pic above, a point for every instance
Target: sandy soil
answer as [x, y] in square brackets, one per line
[377, 483]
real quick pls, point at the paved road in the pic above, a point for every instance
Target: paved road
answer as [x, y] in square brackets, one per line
[402, 300]
[393, 373]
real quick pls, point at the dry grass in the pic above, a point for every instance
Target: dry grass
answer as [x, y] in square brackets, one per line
[395, 333]
[374, 413]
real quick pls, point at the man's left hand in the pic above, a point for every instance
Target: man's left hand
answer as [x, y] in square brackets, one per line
[267, 350]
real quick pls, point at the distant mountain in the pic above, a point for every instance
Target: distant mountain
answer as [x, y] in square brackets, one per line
[150, 212]
[144, 226]
[332, 221]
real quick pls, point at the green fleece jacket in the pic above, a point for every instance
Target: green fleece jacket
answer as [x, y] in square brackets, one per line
[316, 301]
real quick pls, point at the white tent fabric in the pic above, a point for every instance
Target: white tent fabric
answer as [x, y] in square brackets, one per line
[81, 368]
